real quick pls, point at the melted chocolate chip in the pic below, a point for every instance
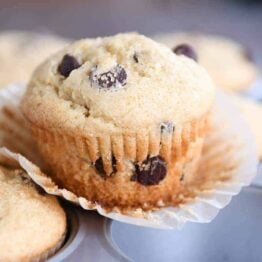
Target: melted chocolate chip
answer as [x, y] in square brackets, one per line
[135, 58]
[187, 50]
[150, 172]
[100, 166]
[167, 127]
[182, 177]
[115, 78]
[67, 65]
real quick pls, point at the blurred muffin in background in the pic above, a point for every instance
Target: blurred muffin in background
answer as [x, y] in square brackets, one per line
[251, 111]
[228, 62]
[21, 52]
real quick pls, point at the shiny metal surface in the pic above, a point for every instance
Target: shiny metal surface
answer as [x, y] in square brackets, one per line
[88, 239]
[234, 235]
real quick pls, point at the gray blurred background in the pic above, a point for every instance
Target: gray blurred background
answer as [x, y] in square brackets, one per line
[241, 20]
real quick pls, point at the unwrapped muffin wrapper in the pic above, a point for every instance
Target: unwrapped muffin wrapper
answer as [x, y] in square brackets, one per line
[228, 163]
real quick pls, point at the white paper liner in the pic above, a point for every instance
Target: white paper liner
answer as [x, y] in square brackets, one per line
[14, 133]
[229, 161]
[255, 89]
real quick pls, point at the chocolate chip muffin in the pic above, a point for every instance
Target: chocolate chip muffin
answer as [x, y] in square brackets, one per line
[32, 223]
[229, 63]
[21, 52]
[119, 118]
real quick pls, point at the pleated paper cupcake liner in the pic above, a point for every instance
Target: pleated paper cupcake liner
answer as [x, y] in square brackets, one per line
[134, 147]
[73, 159]
[14, 131]
[228, 163]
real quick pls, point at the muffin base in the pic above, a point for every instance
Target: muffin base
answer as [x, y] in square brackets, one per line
[71, 158]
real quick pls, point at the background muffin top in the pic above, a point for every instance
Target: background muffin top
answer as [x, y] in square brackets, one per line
[228, 62]
[124, 81]
[21, 52]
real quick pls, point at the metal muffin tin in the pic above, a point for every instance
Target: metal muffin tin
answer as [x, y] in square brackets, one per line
[234, 235]
[88, 239]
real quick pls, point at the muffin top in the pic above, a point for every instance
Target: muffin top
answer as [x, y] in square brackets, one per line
[21, 52]
[228, 62]
[121, 82]
[31, 223]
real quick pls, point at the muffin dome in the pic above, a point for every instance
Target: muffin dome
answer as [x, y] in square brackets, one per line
[123, 82]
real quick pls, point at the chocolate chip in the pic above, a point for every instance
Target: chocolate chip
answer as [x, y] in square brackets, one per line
[67, 65]
[135, 58]
[185, 49]
[100, 166]
[182, 177]
[115, 78]
[167, 127]
[86, 113]
[151, 171]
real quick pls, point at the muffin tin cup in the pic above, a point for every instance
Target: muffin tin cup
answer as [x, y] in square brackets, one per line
[228, 163]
